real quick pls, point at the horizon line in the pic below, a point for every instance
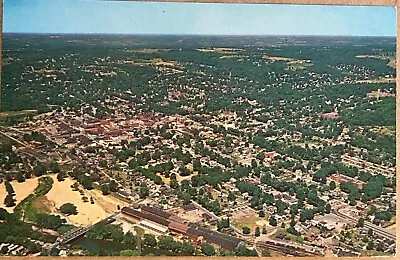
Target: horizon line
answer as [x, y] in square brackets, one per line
[200, 34]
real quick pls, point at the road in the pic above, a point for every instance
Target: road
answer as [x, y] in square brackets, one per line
[27, 150]
[375, 228]
[12, 138]
[237, 231]
[372, 167]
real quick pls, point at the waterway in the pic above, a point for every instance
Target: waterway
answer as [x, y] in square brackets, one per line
[103, 246]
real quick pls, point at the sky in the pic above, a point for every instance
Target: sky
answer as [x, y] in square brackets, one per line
[96, 16]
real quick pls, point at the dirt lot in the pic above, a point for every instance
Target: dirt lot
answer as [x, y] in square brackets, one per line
[332, 219]
[178, 177]
[194, 216]
[246, 217]
[392, 228]
[108, 203]
[228, 51]
[380, 80]
[62, 193]
[22, 190]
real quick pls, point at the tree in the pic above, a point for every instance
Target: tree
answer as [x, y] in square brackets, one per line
[293, 231]
[143, 190]
[370, 245]
[9, 188]
[3, 214]
[103, 163]
[8, 177]
[253, 163]
[9, 201]
[69, 209]
[264, 230]
[129, 238]
[150, 240]
[61, 176]
[113, 186]
[105, 189]
[332, 185]
[360, 222]
[174, 184]
[380, 247]
[372, 210]
[39, 169]
[183, 171]
[86, 182]
[224, 223]
[20, 177]
[28, 175]
[246, 230]
[306, 214]
[207, 249]
[6, 147]
[383, 215]
[260, 156]
[328, 208]
[265, 252]
[242, 250]
[129, 252]
[373, 188]
[261, 213]
[257, 232]
[187, 248]
[49, 221]
[53, 167]
[165, 242]
[231, 196]
[196, 164]
[272, 221]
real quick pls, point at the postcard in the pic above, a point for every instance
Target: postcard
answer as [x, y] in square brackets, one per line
[197, 129]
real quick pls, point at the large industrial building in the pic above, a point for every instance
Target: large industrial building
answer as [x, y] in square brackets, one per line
[161, 221]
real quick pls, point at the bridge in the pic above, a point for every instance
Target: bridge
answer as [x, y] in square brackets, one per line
[77, 232]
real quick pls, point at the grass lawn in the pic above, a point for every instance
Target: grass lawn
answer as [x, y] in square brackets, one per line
[384, 130]
[291, 237]
[36, 203]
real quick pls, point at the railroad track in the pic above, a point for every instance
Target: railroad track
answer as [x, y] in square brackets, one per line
[286, 249]
[375, 228]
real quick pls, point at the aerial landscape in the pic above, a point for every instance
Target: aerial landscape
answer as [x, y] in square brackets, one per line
[215, 145]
